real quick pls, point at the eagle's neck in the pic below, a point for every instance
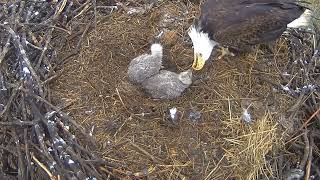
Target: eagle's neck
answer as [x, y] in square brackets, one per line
[303, 21]
[200, 37]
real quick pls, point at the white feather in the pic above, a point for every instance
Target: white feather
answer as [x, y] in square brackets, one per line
[173, 113]
[246, 116]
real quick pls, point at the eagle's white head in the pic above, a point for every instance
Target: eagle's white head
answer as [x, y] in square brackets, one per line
[202, 46]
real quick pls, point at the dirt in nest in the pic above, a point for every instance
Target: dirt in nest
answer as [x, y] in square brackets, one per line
[209, 139]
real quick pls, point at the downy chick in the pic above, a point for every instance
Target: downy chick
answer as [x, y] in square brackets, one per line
[146, 65]
[167, 84]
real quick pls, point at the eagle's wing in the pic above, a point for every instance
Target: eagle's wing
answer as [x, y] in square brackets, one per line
[243, 23]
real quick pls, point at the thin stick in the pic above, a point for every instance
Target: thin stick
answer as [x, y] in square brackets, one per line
[78, 47]
[43, 167]
[308, 168]
[21, 163]
[229, 107]
[120, 98]
[30, 173]
[8, 105]
[215, 168]
[144, 152]
[53, 77]
[18, 123]
[306, 150]
[305, 124]
[44, 50]
[5, 49]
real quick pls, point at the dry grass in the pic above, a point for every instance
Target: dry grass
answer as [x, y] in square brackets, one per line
[134, 131]
[251, 145]
[316, 6]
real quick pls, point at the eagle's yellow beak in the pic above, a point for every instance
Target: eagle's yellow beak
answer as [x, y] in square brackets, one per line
[198, 62]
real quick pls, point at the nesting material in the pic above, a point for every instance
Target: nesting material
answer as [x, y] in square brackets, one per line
[146, 65]
[167, 84]
[185, 149]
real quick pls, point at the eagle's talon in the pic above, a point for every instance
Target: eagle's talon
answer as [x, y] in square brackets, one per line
[220, 57]
[224, 51]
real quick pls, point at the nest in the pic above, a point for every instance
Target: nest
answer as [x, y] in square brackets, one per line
[210, 136]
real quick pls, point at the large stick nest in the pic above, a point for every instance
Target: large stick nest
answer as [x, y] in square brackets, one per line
[85, 47]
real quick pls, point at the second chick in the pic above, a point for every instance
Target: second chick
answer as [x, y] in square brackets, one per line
[167, 84]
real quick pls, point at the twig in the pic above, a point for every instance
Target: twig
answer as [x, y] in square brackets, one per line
[53, 77]
[144, 152]
[44, 50]
[215, 168]
[29, 11]
[83, 6]
[124, 106]
[305, 124]
[85, 9]
[27, 154]
[8, 105]
[49, 26]
[20, 12]
[78, 47]
[63, 5]
[40, 139]
[21, 163]
[308, 168]
[18, 123]
[44, 168]
[5, 49]
[83, 163]
[13, 16]
[306, 150]
[65, 13]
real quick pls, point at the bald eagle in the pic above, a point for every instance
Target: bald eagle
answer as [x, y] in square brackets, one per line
[235, 26]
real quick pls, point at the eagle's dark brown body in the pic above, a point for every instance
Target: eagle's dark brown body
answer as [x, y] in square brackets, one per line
[241, 24]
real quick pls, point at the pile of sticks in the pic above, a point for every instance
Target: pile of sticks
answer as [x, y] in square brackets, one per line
[37, 139]
[302, 82]
[300, 79]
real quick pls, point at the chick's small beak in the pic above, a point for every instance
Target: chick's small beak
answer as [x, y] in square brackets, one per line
[189, 71]
[198, 62]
